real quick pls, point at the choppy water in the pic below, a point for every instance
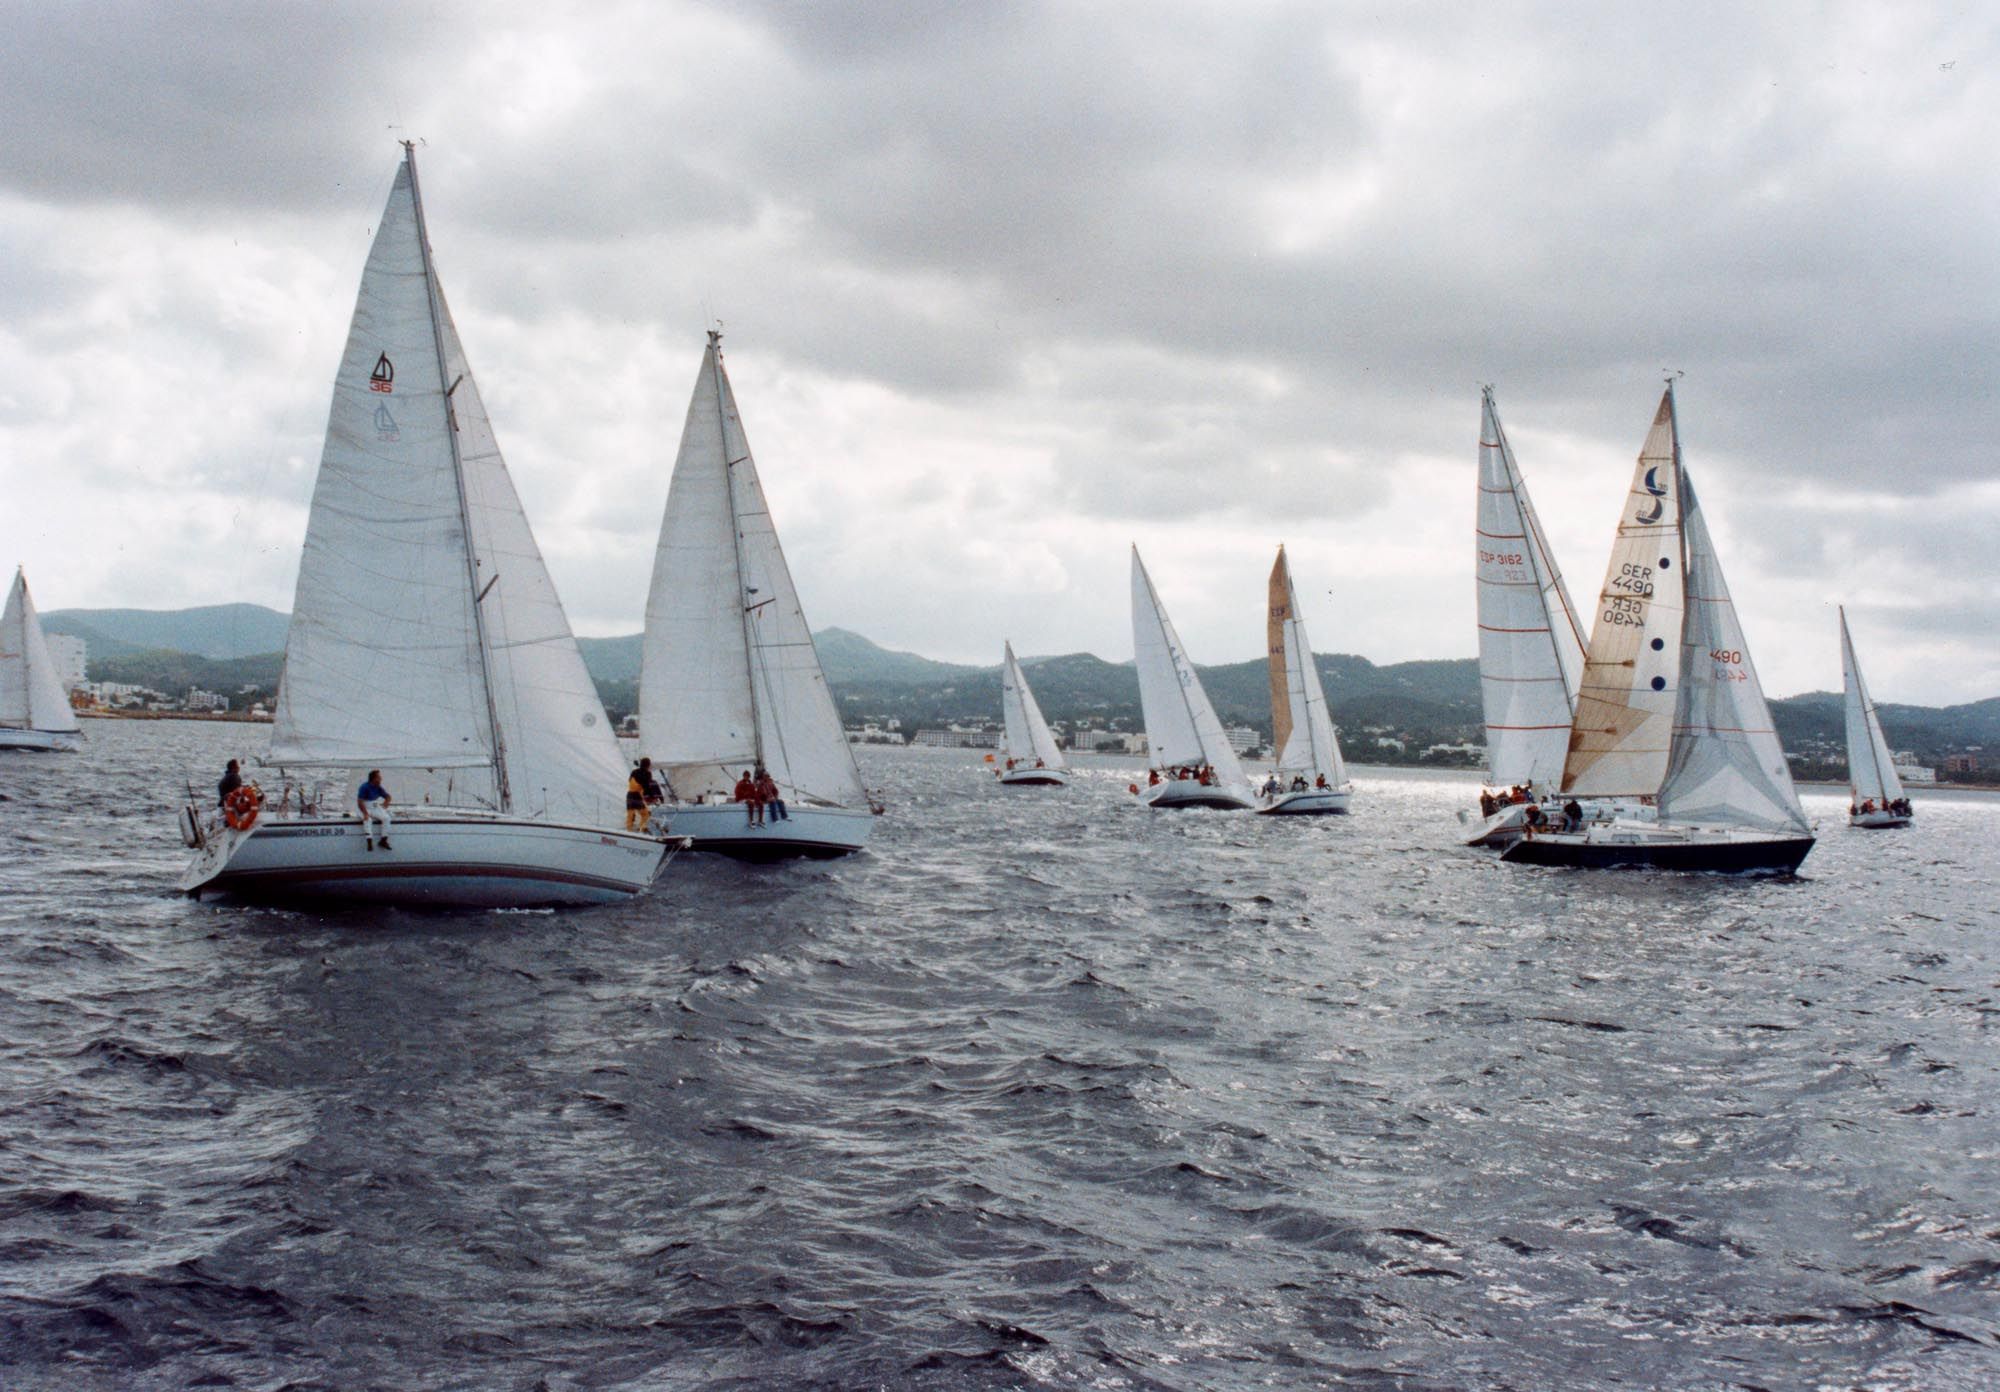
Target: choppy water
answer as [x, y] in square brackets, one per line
[1044, 1092]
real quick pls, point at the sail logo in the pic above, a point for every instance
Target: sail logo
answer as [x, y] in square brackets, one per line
[383, 378]
[385, 424]
[1654, 487]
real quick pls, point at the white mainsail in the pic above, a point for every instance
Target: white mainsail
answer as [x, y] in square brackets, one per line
[1181, 726]
[1727, 767]
[1311, 746]
[729, 675]
[1530, 643]
[425, 630]
[1028, 735]
[31, 695]
[1630, 690]
[1871, 767]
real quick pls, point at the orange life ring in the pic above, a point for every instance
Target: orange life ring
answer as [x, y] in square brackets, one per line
[240, 808]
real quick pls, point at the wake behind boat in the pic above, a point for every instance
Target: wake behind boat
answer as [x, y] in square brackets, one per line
[1669, 706]
[1030, 757]
[1192, 762]
[35, 713]
[733, 705]
[1311, 779]
[1875, 790]
[427, 644]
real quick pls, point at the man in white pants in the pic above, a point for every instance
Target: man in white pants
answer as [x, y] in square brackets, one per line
[373, 800]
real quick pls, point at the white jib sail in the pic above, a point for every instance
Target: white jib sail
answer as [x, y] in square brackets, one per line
[729, 674]
[1630, 690]
[31, 695]
[1530, 643]
[562, 757]
[1871, 767]
[1312, 747]
[1728, 766]
[382, 662]
[1028, 735]
[1181, 726]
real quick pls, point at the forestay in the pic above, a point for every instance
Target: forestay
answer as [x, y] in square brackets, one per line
[1530, 643]
[1871, 767]
[1311, 748]
[1181, 726]
[1028, 735]
[1630, 689]
[31, 694]
[729, 675]
[1728, 766]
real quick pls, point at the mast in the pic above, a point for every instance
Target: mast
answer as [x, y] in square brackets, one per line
[750, 652]
[458, 478]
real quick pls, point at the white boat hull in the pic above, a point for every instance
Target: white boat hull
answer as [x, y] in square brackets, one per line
[444, 861]
[42, 741]
[1034, 778]
[726, 828]
[1619, 844]
[1313, 802]
[1877, 821]
[1173, 794]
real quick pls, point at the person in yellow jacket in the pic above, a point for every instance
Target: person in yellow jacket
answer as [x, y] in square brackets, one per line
[642, 795]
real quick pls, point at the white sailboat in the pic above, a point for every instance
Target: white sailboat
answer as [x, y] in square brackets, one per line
[35, 712]
[1875, 792]
[1192, 763]
[1530, 641]
[1030, 757]
[1669, 706]
[1311, 778]
[730, 681]
[426, 641]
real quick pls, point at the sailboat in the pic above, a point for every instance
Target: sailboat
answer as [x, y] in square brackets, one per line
[730, 681]
[427, 642]
[1530, 642]
[1311, 779]
[1669, 706]
[35, 712]
[1875, 791]
[1030, 756]
[1192, 763]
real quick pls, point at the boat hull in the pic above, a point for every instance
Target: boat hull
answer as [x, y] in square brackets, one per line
[1313, 802]
[440, 862]
[1035, 778]
[42, 741]
[1629, 846]
[1175, 794]
[1878, 821]
[819, 833]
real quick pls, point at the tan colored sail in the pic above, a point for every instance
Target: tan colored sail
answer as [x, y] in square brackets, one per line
[1280, 603]
[1623, 733]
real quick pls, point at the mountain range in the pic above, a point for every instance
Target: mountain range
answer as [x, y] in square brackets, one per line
[229, 646]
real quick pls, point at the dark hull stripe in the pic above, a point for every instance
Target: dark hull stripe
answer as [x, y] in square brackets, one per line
[407, 870]
[1737, 858]
[759, 848]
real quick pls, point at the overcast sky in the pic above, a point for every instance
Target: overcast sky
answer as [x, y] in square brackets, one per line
[1005, 287]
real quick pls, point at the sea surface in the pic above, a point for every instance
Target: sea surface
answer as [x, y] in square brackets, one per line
[1043, 1091]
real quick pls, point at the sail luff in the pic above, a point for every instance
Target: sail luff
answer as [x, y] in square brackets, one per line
[1622, 736]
